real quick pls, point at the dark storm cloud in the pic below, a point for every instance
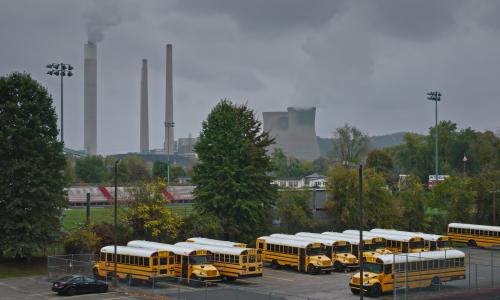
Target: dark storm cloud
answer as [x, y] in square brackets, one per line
[368, 63]
[268, 17]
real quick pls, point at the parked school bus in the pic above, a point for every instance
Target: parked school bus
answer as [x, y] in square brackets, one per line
[474, 235]
[232, 262]
[337, 250]
[189, 263]
[369, 249]
[399, 243]
[205, 241]
[304, 256]
[424, 269]
[133, 263]
[378, 242]
[432, 242]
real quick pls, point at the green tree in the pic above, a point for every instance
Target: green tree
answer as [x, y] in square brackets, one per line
[413, 198]
[205, 225]
[231, 178]
[293, 211]
[381, 162]
[148, 215]
[350, 144]
[69, 170]
[32, 164]
[288, 166]
[137, 169]
[91, 169]
[485, 184]
[160, 169]
[81, 240]
[380, 208]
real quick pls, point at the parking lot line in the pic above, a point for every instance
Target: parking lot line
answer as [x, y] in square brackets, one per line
[280, 278]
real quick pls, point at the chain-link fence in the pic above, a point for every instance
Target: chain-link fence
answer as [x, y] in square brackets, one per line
[61, 265]
[449, 276]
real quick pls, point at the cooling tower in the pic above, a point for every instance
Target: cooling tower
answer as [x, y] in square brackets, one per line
[90, 98]
[144, 122]
[294, 131]
[168, 145]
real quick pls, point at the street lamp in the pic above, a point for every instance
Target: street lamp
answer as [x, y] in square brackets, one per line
[61, 70]
[115, 227]
[435, 96]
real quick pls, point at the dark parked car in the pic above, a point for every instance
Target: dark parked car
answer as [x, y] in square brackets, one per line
[73, 284]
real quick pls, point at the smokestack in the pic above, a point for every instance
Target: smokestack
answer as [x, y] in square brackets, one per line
[169, 106]
[90, 98]
[144, 138]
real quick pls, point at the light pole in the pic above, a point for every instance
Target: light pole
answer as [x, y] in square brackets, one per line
[61, 70]
[115, 227]
[435, 96]
[168, 125]
[361, 245]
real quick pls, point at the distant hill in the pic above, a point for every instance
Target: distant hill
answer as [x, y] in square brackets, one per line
[379, 141]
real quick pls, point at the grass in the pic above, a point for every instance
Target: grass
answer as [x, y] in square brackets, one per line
[21, 268]
[76, 216]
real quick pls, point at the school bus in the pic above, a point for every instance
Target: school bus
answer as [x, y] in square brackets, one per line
[232, 262]
[400, 243]
[304, 256]
[474, 235]
[369, 248]
[379, 243]
[432, 242]
[132, 263]
[205, 241]
[424, 269]
[189, 263]
[337, 250]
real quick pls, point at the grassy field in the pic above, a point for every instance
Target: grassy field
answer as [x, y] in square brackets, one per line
[19, 268]
[75, 217]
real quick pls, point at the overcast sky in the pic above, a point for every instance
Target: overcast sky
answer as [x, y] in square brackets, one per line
[368, 63]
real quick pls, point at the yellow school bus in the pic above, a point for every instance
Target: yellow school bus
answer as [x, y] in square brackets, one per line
[432, 242]
[369, 248]
[304, 256]
[474, 235]
[205, 241]
[337, 250]
[189, 263]
[414, 270]
[400, 244]
[232, 262]
[133, 263]
[379, 244]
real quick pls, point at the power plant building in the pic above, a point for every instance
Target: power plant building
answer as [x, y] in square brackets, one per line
[294, 131]
[90, 98]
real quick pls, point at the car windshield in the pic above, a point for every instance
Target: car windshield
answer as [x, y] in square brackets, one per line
[343, 249]
[198, 259]
[372, 267]
[67, 278]
[314, 251]
[417, 244]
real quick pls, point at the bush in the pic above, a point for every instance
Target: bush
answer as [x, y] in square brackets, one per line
[81, 240]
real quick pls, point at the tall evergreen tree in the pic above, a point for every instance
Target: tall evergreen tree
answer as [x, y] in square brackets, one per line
[32, 164]
[231, 178]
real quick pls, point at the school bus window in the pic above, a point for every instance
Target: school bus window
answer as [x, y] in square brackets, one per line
[171, 260]
[387, 269]
[163, 260]
[155, 261]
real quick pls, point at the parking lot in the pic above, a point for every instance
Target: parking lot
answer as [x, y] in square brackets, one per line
[274, 285]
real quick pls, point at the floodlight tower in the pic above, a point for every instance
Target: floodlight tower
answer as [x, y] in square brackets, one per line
[61, 70]
[435, 96]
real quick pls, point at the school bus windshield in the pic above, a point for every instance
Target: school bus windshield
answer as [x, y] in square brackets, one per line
[343, 249]
[372, 267]
[198, 259]
[314, 251]
[369, 247]
[417, 244]
[444, 244]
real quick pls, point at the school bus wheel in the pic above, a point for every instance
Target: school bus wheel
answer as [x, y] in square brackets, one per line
[472, 243]
[338, 266]
[311, 269]
[375, 291]
[275, 265]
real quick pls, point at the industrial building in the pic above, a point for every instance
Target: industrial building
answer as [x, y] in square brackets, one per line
[294, 131]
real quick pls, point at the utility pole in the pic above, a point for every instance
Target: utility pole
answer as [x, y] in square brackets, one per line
[361, 246]
[435, 96]
[115, 227]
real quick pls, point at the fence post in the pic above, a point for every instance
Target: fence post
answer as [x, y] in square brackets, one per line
[406, 278]
[469, 266]
[395, 283]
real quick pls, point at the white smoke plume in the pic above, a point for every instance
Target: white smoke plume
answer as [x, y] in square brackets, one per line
[102, 15]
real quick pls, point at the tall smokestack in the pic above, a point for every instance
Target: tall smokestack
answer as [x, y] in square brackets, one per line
[144, 138]
[169, 106]
[90, 98]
